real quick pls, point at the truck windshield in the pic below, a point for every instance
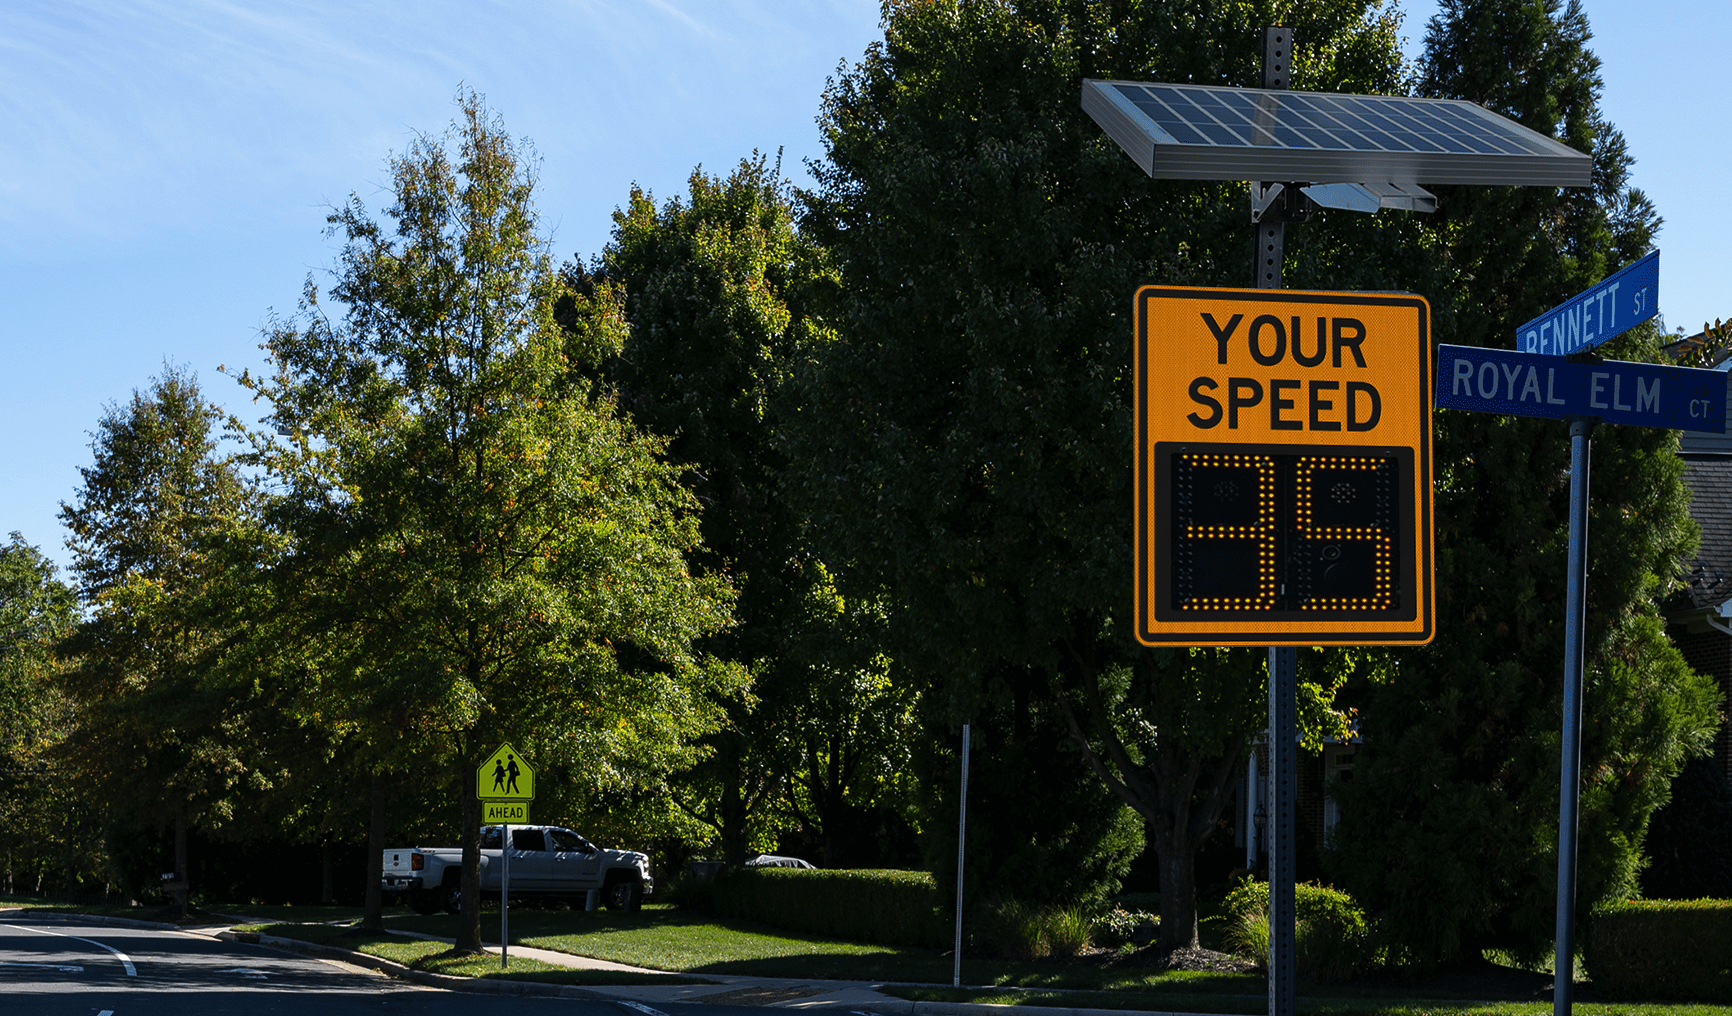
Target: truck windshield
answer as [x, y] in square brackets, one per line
[490, 838]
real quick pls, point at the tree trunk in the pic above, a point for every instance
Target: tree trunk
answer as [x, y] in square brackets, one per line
[1178, 893]
[180, 872]
[373, 917]
[1163, 791]
[733, 805]
[469, 924]
[326, 897]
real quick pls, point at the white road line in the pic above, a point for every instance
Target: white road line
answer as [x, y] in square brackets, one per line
[125, 961]
[106, 1012]
[640, 1007]
[62, 967]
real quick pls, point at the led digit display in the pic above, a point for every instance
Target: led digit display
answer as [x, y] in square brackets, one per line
[1274, 531]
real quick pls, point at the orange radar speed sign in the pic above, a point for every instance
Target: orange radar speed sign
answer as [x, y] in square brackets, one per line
[1283, 470]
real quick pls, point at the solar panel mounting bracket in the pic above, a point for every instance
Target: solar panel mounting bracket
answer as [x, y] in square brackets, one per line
[1280, 202]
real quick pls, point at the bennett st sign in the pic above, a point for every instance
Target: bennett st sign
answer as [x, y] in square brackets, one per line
[1608, 308]
[1283, 468]
[1536, 384]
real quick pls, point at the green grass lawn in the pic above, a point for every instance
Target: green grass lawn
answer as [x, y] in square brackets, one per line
[1319, 1005]
[420, 954]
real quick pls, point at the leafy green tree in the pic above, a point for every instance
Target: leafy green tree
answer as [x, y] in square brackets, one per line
[152, 530]
[725, 298]
[489, 547]
[963, 446]
[36, 611]
[1448, 833]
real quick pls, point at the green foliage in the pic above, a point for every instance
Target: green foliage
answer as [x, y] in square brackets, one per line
[1662, 949]
[1331, 934]
[36, 611]
[1016, 930]
[1448, 832]
[163, 537]
[861, 905]
[961, 446]
[1031, 807]
[1118, 925]
[480, 544]
[725, 298]
[1689, 841]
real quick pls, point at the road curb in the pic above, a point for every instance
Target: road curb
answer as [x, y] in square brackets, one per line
[476, 985]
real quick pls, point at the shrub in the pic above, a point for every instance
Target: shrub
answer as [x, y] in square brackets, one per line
[1018, 930]
[1662, 949]
[1329, 930]
[861, 905]
[1068, 930]
[1118, 925]
[1689, 841]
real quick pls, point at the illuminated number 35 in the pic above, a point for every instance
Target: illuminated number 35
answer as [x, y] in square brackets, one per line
[1255, 531]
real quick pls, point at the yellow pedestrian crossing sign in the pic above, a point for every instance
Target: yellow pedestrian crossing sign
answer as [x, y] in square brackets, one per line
[505, 776]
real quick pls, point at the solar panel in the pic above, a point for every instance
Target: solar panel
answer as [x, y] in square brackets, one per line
[1205, 132]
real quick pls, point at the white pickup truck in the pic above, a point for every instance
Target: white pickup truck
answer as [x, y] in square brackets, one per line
[546, 861]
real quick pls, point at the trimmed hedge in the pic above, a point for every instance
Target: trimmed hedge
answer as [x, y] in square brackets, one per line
[1670, 950]
[861, 905]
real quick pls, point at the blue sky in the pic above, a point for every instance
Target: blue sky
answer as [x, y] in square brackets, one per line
[167, 164]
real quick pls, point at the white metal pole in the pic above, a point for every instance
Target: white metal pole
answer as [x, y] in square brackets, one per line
[504, 894]
[961, 841]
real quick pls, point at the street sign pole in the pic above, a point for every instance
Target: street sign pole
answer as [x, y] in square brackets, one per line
[1570, 763]
[1283, 660]
[504, 894]
[961, 842]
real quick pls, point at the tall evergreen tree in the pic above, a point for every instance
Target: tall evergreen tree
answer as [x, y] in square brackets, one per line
[1449, 831]
[726, 297]
[965, 442]
[152, 526]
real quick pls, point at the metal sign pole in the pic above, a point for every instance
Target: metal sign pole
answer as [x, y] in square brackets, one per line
[1570, 764]
[961, 841]
[1283, 661]
[504, 894]
[1283, 809]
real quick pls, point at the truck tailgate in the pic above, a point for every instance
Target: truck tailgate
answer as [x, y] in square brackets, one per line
[397, 861]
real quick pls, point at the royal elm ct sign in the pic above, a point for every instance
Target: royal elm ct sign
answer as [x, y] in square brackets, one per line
[1531, 384]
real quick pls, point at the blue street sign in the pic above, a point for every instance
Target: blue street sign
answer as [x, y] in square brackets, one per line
[1531, 384]
[1610, 307]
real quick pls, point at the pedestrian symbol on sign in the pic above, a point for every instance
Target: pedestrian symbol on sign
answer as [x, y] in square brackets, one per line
[505, 776]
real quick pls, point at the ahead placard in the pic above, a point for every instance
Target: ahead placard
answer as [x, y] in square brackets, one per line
[1283, 468]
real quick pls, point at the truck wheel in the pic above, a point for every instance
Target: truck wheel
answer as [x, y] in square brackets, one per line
[625, 894]
[451, 897]
[425, 901]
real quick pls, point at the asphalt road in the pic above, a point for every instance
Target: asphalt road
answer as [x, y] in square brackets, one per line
[77, 969]
[69, 968]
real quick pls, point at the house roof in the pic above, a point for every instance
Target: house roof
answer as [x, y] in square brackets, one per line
[1709, 574]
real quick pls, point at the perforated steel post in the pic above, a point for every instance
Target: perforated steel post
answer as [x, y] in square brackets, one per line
[1283, 662]
[1570, 764]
